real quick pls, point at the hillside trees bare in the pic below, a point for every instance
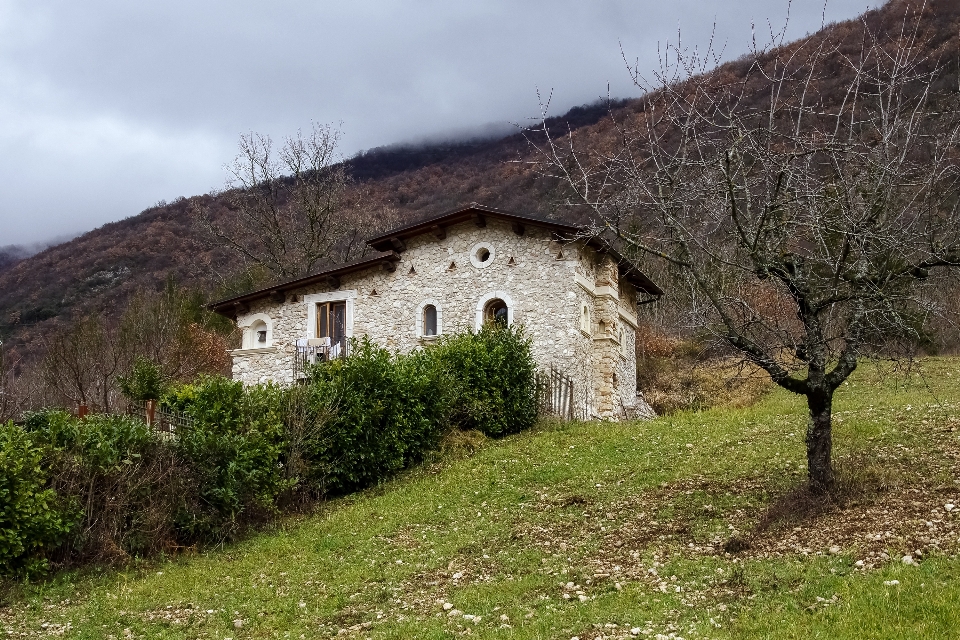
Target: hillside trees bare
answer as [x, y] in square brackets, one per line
[806, 196]
[83, 363]
[286, 213]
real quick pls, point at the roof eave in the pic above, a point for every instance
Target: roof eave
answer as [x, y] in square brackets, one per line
[457, 216]
[230, 306]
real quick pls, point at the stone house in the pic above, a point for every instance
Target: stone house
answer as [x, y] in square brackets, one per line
[576, 298]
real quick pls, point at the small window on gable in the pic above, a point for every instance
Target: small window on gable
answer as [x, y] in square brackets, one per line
[429, 320]
[482, 255]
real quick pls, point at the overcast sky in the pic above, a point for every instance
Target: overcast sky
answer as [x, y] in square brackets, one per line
[108, 106]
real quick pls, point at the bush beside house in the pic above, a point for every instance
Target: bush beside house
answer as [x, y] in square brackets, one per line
[108, 487]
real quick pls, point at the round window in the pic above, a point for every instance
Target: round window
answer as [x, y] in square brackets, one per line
[482, 255]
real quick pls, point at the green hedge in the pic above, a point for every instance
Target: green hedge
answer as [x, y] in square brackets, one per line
[108, 487]
[233, 450]
[31, 520]
[493, 379]
[383, 411]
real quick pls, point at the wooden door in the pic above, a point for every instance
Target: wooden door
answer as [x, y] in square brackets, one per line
[332, 323]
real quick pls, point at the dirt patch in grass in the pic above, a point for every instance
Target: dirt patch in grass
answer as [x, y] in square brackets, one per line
[880, 511]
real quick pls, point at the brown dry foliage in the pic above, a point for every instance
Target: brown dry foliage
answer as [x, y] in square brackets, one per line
[681, 374]
[98, 271]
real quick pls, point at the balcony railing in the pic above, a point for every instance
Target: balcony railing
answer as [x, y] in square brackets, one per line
[314, 351]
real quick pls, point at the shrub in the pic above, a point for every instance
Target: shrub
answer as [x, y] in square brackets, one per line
[493, 375]
[55, 427]
[355, 422]
[124, 480]
[233, 450]
[387, 411]
[145, 382]
[31, 521]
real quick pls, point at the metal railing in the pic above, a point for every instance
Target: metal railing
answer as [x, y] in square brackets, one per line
[310, 354]
[160, 419]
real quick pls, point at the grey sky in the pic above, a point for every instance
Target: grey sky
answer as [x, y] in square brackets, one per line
[107, 106]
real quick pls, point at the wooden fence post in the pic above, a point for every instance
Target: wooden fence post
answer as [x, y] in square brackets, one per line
[151, 407]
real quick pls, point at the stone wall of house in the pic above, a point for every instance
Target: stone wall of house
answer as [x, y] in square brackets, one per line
[535, 275]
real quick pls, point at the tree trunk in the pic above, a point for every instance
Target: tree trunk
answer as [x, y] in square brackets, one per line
[819, 441]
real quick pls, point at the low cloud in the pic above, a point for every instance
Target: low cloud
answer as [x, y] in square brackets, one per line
[107, 107]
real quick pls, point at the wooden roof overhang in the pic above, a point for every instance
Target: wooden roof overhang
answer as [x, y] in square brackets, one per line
[231, 307]
[391, 244]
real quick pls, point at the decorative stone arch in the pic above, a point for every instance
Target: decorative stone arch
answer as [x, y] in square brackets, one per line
[252, 325]
[418, 317]
[494, 295]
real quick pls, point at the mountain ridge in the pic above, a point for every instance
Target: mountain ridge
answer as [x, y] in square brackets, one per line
[99, 270]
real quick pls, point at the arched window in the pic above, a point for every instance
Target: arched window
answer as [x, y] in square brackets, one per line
[496, 311]
[496, 306]
[257, 332]
[429, 320]
[585, 319]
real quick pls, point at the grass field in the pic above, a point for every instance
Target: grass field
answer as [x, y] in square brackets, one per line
[686, 526]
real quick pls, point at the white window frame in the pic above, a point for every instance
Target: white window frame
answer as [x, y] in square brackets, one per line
[503, 295]
[313, 299]
[249, 340]
[418, 319]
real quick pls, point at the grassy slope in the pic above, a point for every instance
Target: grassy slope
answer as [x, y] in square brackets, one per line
[627, 521]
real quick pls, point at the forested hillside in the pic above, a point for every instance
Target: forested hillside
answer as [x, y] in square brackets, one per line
[100, 270]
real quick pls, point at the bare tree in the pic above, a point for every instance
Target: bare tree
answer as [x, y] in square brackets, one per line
[82, 363]
[6, 387]
[286, 213]
[803, 194]
[172, 330]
